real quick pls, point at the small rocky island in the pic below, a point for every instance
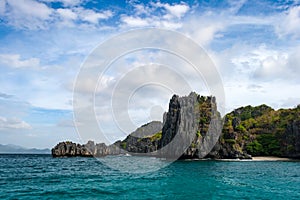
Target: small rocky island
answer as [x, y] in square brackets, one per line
[194, 119]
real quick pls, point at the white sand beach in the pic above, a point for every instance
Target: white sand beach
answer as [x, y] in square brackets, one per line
[270, 158]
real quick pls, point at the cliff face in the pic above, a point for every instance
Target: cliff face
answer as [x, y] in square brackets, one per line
[180, 126]
[191, 127]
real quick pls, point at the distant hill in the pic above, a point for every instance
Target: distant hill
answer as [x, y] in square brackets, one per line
[11, 149]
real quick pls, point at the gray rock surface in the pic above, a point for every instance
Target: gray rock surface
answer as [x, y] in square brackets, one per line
[70, 149]
[191, 128]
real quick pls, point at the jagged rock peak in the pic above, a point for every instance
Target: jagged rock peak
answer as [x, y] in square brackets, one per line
[187, 123]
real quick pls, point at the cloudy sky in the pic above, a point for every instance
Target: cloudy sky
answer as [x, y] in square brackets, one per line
[255, 46]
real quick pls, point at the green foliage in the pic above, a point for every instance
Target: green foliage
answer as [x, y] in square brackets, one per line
[123, 145]
[198, 134]
[203, 120]
[156, 136]
[230, 141]
[269, 143]
[261, 130]
[245, 137]
[254, 148]
[291, 148]
[193, 145]
[245, 115]
[250, 123]
[241, 128]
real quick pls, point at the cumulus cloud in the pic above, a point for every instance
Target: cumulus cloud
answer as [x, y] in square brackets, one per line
[15, 61]
[134, 21]
[92, 16]
[35, 15]
[276, 64]
[203, 29]
[174, 10]
[289, 22]
[13, 123]
[29, 14]
[67, 14]
[157, 14]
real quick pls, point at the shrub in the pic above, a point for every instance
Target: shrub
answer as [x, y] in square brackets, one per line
[230, 141]
[254, 148]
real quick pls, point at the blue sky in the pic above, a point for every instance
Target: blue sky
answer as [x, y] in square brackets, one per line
[254, 44]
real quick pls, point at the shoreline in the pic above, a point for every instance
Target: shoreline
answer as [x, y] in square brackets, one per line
[271, 158]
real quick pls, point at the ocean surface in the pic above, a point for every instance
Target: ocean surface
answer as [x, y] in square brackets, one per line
[44, 177]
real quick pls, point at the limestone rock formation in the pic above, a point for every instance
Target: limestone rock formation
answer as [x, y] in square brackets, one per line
[144, 139]
[259, 131]
[70, 149]
[192, 126]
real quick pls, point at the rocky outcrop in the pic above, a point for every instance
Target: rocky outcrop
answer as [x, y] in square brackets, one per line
[291, 140]
[70, 149]
[144, 140]
[191, 129]
[259, 131]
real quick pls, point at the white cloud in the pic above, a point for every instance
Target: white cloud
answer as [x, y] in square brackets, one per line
[267, 64]
[15, 61]
[29, 8]
[289, 23]
[66, 14]
[35, 15]
[155, 15]
[27, 13]
[13, 123]
[134, 21]
[141, 9]
[92, 16]
[202, 30]
[236, 5]
[175, 10]
[273, 66]
[66, 17]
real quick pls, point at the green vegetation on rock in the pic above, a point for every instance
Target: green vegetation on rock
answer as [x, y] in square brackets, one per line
[156, 136]
[262, 131]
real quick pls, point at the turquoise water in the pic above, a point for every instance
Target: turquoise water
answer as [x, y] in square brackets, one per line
[44, 177]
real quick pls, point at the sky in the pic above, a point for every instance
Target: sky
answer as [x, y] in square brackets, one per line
[254, 45]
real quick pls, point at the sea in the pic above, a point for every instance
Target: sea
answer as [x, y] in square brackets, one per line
[116, 177]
